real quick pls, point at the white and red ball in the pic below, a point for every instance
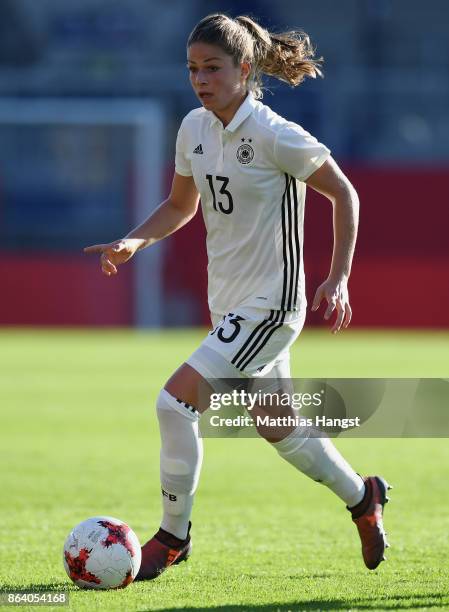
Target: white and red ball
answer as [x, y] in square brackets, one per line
[102, 553]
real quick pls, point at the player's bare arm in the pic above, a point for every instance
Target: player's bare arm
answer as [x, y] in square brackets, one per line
[330, 181]
[172, 214]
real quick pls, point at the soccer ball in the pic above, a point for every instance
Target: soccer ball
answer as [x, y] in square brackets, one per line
[102, 553]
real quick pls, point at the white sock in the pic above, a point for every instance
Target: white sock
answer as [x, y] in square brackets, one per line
[320, 460]
[180, 463]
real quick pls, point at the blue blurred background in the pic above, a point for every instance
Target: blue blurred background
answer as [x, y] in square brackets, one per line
[91, 96]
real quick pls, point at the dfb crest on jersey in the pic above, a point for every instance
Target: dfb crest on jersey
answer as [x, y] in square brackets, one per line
[245, 153]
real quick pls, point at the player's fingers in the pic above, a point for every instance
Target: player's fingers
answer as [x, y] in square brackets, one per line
[96, 248]
[339, 320]
[109, 271]
[107, 266]
[348, 315]
[317, 299]
[330, 308]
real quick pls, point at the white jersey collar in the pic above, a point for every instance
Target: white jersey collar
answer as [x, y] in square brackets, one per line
[244, 111]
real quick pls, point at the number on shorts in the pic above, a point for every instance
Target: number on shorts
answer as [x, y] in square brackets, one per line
[233, 320]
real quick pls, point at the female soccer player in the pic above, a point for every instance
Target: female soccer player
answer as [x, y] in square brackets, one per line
[250, 167]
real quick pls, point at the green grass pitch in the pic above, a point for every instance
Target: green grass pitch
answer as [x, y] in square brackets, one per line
[79, 438]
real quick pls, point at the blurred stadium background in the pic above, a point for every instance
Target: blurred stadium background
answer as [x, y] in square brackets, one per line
[91, 96]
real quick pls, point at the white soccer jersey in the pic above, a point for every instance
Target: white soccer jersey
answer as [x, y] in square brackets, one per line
[250, 176]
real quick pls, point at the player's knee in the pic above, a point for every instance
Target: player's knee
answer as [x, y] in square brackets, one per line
[168, 406]
[267, 434]
[184, 384]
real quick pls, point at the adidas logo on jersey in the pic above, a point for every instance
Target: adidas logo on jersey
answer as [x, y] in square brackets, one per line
[199, 149]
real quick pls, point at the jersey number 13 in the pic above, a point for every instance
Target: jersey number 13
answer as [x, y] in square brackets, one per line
[226, 209]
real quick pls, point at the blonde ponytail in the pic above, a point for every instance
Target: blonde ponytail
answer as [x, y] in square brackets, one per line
[288, 56]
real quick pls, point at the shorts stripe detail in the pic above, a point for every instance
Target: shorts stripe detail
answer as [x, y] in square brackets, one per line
[261, 340]
[267, 337]
[290, 244]
[238, 358]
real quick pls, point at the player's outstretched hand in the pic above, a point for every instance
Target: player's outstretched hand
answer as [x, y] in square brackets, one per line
[115, 253]
[337, 297]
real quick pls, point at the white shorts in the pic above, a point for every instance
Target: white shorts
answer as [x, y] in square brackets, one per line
[248, 343]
